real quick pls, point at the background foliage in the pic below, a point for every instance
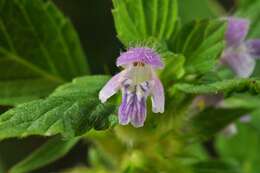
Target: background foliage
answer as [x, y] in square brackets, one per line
[55, 56]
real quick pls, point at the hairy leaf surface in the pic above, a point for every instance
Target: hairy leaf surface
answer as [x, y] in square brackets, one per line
[71, 110]
[201, 42]
[225, 86]
[137, 20]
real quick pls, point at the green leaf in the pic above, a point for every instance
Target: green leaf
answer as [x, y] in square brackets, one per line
[174, 67]
[137, 20]
[210, 121]
[250, 10]
[224, 86]
[201, 42]
[242, 101]
[37, 43]
[49, 152]
[14, 92]
[71, 110]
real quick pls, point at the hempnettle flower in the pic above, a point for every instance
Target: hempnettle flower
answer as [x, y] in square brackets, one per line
[240, 54]
[137, 81]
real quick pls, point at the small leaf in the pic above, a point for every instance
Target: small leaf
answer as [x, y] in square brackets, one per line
[201, 42]
[225, 86]
[137, 20]
[49, 152]
[37, 43]
[71, 110]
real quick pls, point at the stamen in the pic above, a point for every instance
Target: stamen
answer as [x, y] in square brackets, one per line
[138, 64]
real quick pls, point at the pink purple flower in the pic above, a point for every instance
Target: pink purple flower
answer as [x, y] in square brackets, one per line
[137, 81]
[240, 54]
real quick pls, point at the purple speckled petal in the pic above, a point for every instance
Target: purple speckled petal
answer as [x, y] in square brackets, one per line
[124, 118]
[138, 115]
[254, 47]
[111, 87]
[142, 54]
[133, 107]
[241, 63]
[236, 31]
[133, 110]
[158, 98]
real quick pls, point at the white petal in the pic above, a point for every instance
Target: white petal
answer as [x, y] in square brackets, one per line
[246, 119]
[111, 87]
[230, 130]
[241, 63]
[246, 68]
[158, 98]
